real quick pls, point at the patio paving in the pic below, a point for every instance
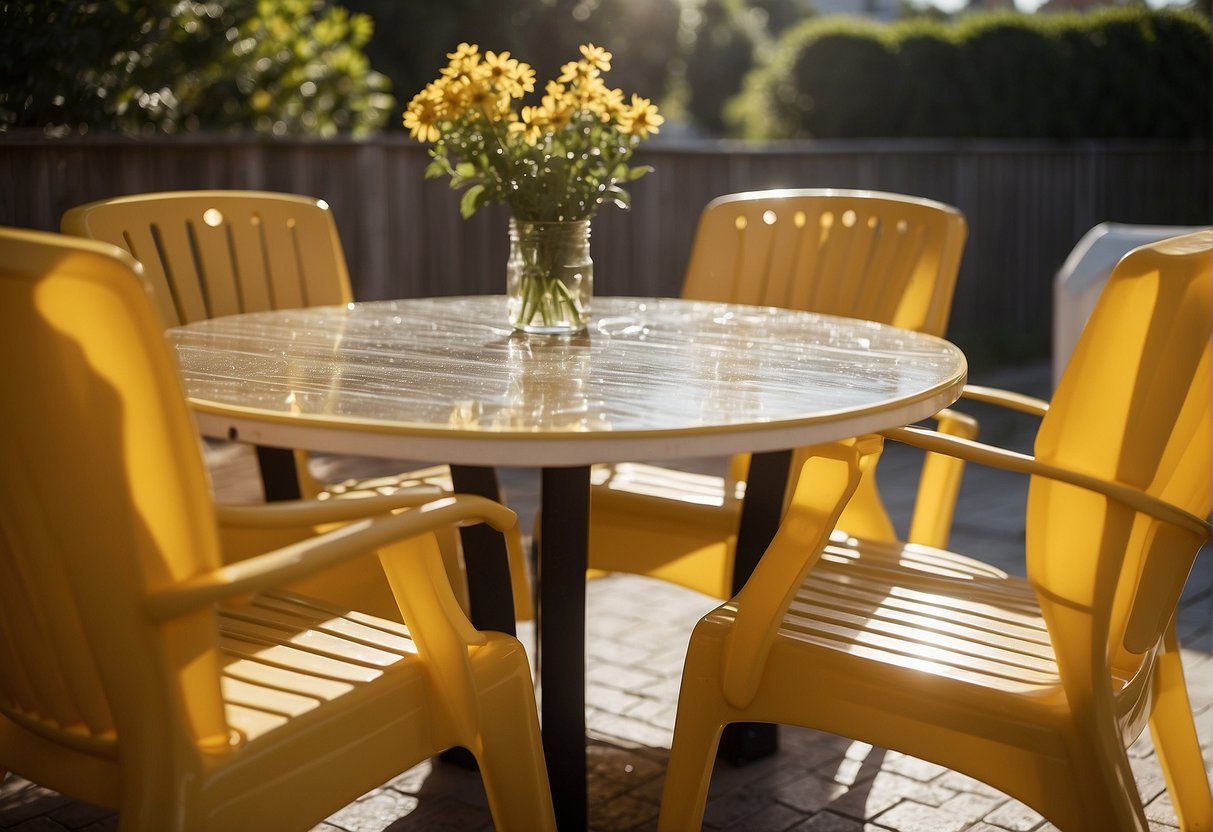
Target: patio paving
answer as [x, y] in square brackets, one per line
[816, 783]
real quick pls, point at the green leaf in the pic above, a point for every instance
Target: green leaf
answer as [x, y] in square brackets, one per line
[639, 171]
[618, 196]
[466, 170]
[471, 200]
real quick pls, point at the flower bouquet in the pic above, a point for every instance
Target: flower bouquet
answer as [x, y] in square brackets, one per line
[553, 162]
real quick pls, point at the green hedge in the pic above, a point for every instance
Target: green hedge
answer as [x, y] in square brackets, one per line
[1114, 73]
[290, 67]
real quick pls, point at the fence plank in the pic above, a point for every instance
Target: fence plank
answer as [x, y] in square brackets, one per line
[1027, 204]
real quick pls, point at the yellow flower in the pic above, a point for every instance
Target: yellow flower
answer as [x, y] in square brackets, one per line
[448, 95]
[594, 95]
[611, 105]
[479, 95]
[531, 124]
[509, 75]
[559, 111]
[596, 56]
[464, 61]
[576, 71]
[421, 117]
[641, 118]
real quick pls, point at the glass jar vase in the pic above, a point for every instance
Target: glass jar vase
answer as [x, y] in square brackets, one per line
[549, 276]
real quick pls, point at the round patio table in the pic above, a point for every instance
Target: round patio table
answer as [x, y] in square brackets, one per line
[447, 380]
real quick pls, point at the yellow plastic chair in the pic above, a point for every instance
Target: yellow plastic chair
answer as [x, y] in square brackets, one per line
[884, 257]
[139, 673]
[1035, 686]
[213, 253]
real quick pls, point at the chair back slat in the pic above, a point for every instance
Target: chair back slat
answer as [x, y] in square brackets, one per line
[883, 257]
[224, 252]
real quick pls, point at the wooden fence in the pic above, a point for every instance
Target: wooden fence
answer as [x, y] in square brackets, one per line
[1026, 203]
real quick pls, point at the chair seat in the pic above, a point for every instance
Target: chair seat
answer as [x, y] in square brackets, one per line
[632, 478]
[285, 654]
[928, 610]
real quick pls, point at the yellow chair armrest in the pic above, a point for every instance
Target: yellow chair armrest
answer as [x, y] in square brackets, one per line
[292, 513]
[1005, 398]
[996, 457]
[294, 561]
[825, 482]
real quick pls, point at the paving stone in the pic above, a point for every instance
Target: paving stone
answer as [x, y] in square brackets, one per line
[78, 815]
[413, 780]
[41, 823]
[619, 677]
[1160, 810]
[964, 783]
[726, 810]
[612, 700]
[621, 766]
[607, 726]
[845, 771]
[809, 793]
[1142, 747]
[374, 813]
[624, 812]
[971, 806]
[628, 655]
[1015, 816]
[911, 767]
[600, 790]
[908, 816]
[773, 817]
[443, 815]
[654, 711]
[828, 822]
[22, 800]
[897, 785]
[1147, 773]
[650, 791]
[759, 775]
[864, 802]
[812, 749]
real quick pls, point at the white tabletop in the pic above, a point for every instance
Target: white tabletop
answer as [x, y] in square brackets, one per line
[447, 380]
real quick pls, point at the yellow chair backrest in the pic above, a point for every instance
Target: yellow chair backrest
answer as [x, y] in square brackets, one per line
[212, 253]
[862, 254]
[108, 521]
[1133, 406]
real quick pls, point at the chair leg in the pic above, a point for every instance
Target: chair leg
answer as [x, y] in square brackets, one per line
[697, 730]
[520, 576]
[1176, 742]
[511, 755]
